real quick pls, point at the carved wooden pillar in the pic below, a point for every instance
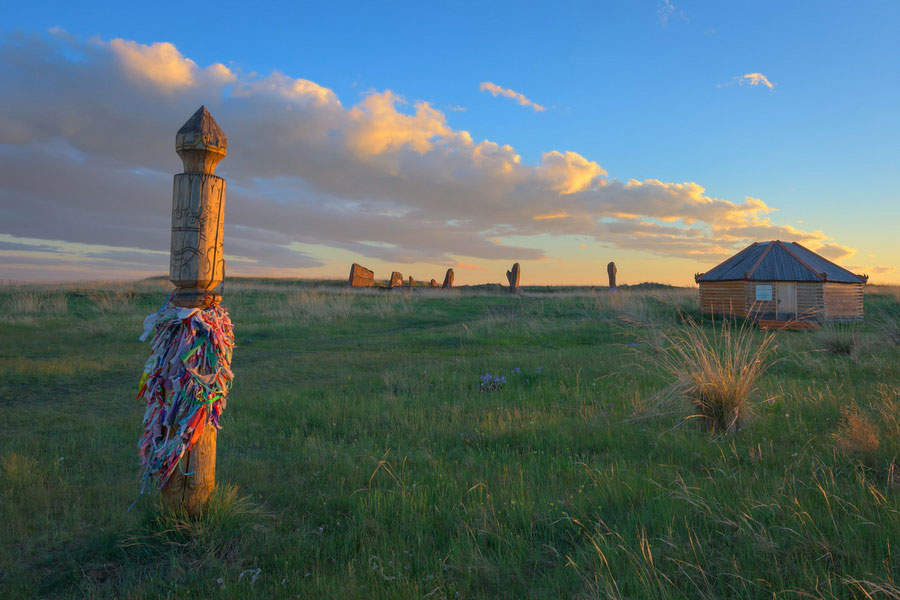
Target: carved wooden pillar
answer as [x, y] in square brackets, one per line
[197, 264]
[611, 271]
[197, 268]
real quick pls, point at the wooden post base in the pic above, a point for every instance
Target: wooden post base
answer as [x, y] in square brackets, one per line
[190, 493]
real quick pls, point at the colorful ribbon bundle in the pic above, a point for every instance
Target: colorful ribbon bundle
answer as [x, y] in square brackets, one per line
[185, 384]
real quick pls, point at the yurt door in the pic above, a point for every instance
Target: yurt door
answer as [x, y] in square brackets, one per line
[786, 300]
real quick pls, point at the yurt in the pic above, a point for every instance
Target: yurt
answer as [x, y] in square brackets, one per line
[780, 282]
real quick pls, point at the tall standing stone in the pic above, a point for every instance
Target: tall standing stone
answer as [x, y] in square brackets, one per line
[513, 278]
[448, 280]
[396, 280]
[412, 281]
[611, 271]
[361, 276]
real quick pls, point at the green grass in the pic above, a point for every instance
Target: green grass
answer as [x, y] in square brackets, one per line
[359, 459]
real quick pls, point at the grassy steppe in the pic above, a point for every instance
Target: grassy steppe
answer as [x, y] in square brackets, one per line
[360, 460]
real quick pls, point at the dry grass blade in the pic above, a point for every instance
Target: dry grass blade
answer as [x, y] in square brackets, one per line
[874, 589]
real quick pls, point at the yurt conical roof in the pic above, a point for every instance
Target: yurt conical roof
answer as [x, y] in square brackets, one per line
[779, 261]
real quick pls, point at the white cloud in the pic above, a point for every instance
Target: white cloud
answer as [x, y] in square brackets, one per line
[496, 90]
[87, 156]
[751, 79]
[666, 10]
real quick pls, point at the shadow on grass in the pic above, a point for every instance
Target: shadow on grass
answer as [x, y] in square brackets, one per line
[165, 553]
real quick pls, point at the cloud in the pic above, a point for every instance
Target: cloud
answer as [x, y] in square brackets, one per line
[496, 90]
[162, 65]
[835, 251]
[666, 10]
[87, 156]
[756, 79]
[378, 127]
[570, 172]
[870, 270]
[459, 265]
[752, 79]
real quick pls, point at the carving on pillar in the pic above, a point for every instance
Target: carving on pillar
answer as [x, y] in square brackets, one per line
[197, 264]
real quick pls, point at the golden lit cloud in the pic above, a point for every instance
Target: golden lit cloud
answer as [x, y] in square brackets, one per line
[162, 65]
[496, 90]
[379, 127]
[459, 265]
[835, 251]
[569, 172]
[289, 88]
[756, 79]
[561, 215]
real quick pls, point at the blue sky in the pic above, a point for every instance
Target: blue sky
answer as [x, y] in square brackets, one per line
[651, 91]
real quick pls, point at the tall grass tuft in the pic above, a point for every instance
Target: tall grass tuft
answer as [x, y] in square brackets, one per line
[837, 338]
[856, 433]
[873, 435]
[33, 302]
[715, 369]
[887, 322]
[212, 537]
[114, 301]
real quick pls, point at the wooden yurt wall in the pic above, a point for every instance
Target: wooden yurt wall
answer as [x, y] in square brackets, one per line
[810, 299]
[723, 297]
[759, 306]
[844, 301]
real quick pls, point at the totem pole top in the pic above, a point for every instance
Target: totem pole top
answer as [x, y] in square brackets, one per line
[201, 143]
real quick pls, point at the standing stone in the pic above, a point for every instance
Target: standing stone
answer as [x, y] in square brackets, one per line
[433, 283]
[361, 276]
[448, 280]
[513, 278]
[412, 281]
[396, 280]
[611, 270]
[197, 259]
